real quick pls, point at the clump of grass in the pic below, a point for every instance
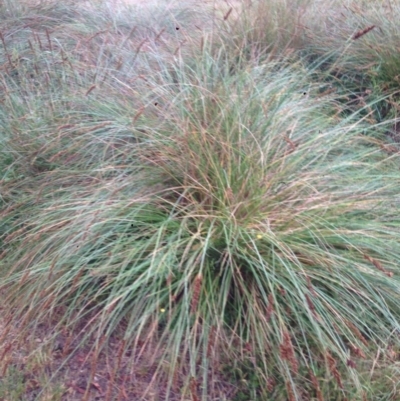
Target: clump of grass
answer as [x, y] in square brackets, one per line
[266, 30]
[361, 41]
[250, 224]
[205, 216]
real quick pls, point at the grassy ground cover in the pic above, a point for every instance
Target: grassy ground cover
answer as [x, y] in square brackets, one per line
[199, 202]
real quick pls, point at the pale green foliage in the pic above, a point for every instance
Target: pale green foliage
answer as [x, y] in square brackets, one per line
[214, 199]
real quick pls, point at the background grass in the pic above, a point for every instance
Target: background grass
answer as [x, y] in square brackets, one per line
[214, 189]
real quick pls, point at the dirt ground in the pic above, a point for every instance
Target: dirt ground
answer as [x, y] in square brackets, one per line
[81, 373]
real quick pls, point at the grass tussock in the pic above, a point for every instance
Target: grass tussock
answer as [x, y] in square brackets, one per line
[212, 203]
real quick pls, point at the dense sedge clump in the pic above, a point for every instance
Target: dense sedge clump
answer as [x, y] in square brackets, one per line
[221, 211]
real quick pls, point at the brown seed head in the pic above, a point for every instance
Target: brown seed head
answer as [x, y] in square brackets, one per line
[363, 32]
[287, 351]
[196, 292]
